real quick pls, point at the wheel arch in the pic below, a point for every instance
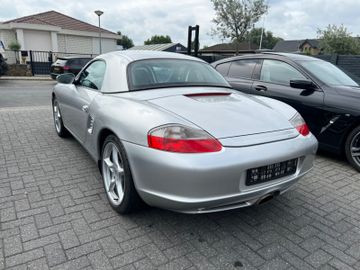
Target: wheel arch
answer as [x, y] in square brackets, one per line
[355, 124]
[103, 134]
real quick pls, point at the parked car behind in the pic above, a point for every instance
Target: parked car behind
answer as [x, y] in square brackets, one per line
[167, 128]
[3, 65]
[325, 96]
[68, 64]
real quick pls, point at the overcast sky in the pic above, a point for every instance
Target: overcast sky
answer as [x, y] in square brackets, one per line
[140, 19]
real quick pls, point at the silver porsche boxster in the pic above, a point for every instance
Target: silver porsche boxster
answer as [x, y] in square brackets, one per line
[167, 129]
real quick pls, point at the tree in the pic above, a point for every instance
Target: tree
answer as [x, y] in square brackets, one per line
[158, 39]
[337, 40]
[14, 46]
[268, 40]
[234, 18]
[124, 41]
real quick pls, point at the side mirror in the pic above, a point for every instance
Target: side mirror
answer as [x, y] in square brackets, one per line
[66, 78]
[303, 84]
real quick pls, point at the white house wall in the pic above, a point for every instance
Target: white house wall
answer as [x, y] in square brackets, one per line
[37, 40]
[78, 44]
[61, 43]
[107, 45]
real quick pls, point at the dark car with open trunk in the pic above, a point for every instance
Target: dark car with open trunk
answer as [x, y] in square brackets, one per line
[68, 64]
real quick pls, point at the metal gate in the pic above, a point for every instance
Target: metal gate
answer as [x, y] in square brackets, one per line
[40, 62]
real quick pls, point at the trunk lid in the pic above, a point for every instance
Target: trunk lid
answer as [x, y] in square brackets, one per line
[226, 116]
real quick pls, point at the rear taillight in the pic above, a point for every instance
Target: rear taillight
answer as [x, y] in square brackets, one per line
[66, 68]
[181, 139]
[299, 123]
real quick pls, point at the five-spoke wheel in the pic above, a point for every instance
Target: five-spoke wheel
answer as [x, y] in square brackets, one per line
[113, 173]
[118, 182]
[352, 148]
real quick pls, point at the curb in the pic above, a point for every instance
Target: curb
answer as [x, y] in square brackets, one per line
[25, 78]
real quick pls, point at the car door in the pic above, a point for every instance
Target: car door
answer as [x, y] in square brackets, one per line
[272, 79]
[87, 87]
[239, 73]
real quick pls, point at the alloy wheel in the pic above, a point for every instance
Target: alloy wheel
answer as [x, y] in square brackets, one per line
[113, 173]
[57, 117]
[355, 148]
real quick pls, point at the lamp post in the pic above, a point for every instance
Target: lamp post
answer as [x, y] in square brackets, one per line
[99, 13]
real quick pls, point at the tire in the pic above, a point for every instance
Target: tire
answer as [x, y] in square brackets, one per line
[58, 123]
[352, 148]
[118, 182]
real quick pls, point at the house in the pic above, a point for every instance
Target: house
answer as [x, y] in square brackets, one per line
[307, 46]
[56, 32]
[228, 49]
[166, 47]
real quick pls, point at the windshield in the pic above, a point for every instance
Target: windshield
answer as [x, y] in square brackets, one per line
[155, 73]
[328, 73]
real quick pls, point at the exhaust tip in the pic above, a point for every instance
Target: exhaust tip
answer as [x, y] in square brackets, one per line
[267, 197]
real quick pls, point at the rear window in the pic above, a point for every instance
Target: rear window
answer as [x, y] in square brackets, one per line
[156, 73]
[223, 68]
[242, 69]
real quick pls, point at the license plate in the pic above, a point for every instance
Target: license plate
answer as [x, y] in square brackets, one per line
[271, 172]
[56, 69]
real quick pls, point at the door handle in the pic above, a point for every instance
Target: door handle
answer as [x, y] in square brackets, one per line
[260, 88]
[85, 108]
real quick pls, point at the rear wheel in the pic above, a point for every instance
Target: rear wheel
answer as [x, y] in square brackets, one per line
[352, 148]
[58, 122]
[118, 182]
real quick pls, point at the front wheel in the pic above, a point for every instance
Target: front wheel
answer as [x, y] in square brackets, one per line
[58, 121]
[352, 148]
[118, 182]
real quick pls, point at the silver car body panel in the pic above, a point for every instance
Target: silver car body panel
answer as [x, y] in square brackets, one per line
[254, 131]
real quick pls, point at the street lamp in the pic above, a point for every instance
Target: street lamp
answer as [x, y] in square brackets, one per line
[99, 13]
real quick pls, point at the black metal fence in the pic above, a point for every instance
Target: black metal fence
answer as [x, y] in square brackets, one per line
[41, 61]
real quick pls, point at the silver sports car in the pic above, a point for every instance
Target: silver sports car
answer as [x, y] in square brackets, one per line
[166, 129]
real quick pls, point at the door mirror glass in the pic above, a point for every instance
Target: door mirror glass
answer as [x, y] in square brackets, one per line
[303, 84]
[67, 78]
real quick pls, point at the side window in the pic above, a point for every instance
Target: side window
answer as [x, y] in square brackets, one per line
[279, 72]
[223, 69]
[93, 75]
[242, 69]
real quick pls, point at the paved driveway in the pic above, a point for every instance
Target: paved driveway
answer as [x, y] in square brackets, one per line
[54, 215]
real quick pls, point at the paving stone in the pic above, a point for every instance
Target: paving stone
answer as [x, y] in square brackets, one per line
[24, 257]
[69, 239]
[55, 254]
[28, 232]
[12, 245]
[99, 261]
[318, 258]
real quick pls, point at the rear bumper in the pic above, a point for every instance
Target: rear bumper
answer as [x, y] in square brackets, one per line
[200, 183]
